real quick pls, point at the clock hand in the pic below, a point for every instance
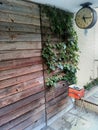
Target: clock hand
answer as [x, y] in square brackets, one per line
[84, 19]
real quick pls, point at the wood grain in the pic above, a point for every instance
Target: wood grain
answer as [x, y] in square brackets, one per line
[20, 37]
[21, 71]
[13, 107]
[10, 55]
[16, 8]
[20, 87]
[18, 63]
[17, 27]
[20, 46]
[14, 114]
[24, 94]
[24, 97]
[20, 79]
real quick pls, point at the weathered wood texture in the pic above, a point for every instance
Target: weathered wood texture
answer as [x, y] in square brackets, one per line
[56, 99]
[22, 89]
[22, 101]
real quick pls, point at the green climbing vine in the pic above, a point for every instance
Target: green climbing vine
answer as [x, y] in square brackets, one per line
[62, 55]
[91, 84]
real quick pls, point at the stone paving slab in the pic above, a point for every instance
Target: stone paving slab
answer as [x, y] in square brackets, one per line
[47, 128]
[75, 119]
[93, 98]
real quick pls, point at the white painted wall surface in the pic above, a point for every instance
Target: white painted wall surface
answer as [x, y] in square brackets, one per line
[88, 63]
[86, 46]
[96, 51]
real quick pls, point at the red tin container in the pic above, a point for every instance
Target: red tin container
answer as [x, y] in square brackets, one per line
[74, 93]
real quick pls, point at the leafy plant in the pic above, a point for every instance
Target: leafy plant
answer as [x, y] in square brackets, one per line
[70, 71]
[91, 84]
[60, 20]
[49, 55]
[52, 80]
[62, 55]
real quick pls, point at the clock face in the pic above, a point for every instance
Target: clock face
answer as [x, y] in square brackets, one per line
[85, 18]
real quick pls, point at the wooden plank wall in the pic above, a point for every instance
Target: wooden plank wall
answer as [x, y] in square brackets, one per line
[56, 98]
[22, 102]
[22, 89]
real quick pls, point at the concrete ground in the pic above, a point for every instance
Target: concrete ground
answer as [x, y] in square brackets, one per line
[76, 119]
[92, 95]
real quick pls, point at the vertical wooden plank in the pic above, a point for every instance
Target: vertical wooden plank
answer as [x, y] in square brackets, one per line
[56, 98]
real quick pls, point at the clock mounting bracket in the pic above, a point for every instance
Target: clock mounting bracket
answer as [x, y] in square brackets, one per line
[87, 4]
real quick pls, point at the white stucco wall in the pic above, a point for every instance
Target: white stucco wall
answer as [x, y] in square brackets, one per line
[88, 45]
[96, 51]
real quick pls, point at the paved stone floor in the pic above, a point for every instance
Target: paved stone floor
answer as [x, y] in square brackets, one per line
[76, 119]
[92, 95]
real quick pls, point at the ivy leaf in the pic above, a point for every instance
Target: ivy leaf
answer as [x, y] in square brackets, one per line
[64, 46]
[60, 66]
[52, 67]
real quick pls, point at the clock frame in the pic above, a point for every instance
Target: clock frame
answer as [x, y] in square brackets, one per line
[86, 18]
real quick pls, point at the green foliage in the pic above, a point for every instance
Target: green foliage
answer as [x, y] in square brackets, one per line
[53, 80]
[72, 50]
[91, 84]
[70, 72]
[61, 55]
[60, 20]
[49, 55]
[54, 55]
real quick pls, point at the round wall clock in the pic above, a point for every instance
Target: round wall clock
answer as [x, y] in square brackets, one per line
[86, 17]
